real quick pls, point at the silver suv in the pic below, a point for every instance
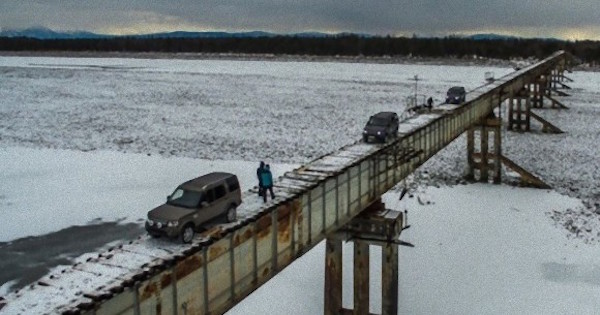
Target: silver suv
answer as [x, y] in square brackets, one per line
[193, 203]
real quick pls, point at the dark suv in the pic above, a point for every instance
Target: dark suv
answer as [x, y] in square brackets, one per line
[381, 126]
[456, 95]
[194, 203]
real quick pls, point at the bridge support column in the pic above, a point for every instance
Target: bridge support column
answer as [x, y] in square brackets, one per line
[487, 161]
[538, 92]
[389, 279]
[557, 77]
[548, 84]
[361, 278]
[543, 88]
[519, 110]
[374, 226]
[553, 82]
[333, 276]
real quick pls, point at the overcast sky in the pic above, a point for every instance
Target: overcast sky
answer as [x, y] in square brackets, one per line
[576, 19]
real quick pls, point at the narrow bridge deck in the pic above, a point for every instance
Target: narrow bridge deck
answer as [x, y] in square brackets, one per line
[228, 262]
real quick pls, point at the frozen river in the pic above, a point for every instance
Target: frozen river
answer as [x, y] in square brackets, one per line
[88, 145]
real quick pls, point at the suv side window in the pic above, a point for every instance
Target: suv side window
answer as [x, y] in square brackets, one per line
[210, 195]
[232, 184]
[220, 191]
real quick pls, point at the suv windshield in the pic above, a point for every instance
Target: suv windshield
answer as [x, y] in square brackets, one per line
[374, 121]
[455, 91]
[185, 198]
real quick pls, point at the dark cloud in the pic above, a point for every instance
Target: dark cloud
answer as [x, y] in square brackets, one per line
[366, 16]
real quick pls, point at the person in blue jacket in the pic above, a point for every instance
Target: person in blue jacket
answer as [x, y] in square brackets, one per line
[259, 171]
[267, 182]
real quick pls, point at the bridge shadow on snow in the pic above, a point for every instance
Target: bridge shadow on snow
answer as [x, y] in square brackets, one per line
[27, 259]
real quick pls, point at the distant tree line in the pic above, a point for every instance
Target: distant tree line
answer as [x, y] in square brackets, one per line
[351, 45]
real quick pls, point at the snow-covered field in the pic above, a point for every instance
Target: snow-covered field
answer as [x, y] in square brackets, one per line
[88, 140]
[283, 111]
[504, 257]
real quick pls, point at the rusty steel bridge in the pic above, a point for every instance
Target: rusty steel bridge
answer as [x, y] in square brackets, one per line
[324, 199]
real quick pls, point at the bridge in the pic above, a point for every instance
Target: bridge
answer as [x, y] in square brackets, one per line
[335, 197]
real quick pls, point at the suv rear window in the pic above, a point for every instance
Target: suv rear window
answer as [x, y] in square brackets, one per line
[232, 184]
[220, 192]
[210, 195]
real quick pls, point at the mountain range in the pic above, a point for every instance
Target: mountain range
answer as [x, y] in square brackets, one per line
[46, 33]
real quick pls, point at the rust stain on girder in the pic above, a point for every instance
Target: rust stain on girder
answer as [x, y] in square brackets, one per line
[165, 280]
[240, 238]
[188, 266]
[214, 232]
[215, 251]
[265, 272]
[150, 290]
[297, 208]
[262, 226]
[283, 224]
[284, 211]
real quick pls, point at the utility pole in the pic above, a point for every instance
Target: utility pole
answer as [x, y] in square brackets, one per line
[416, 85]
[416, 79]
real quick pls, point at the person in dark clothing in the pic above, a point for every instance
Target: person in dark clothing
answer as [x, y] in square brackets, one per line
[259, 171]
[267, 182]
[429, 103]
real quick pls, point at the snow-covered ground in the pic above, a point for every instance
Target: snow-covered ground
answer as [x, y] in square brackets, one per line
[504, 253]
[97, 140]
[45, 190]
[498, 256]
[284, 111]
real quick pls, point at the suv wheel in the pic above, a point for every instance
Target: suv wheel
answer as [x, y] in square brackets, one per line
[366, 139]
[187, 233]
[231, 214]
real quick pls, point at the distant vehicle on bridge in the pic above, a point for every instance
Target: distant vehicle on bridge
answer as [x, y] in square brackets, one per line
[194, 203]
[381, 126]
[456, 95]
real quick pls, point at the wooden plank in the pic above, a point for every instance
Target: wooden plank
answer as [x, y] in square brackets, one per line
[560, 93]
[546, 125]
[555, 102]
[526, 178]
